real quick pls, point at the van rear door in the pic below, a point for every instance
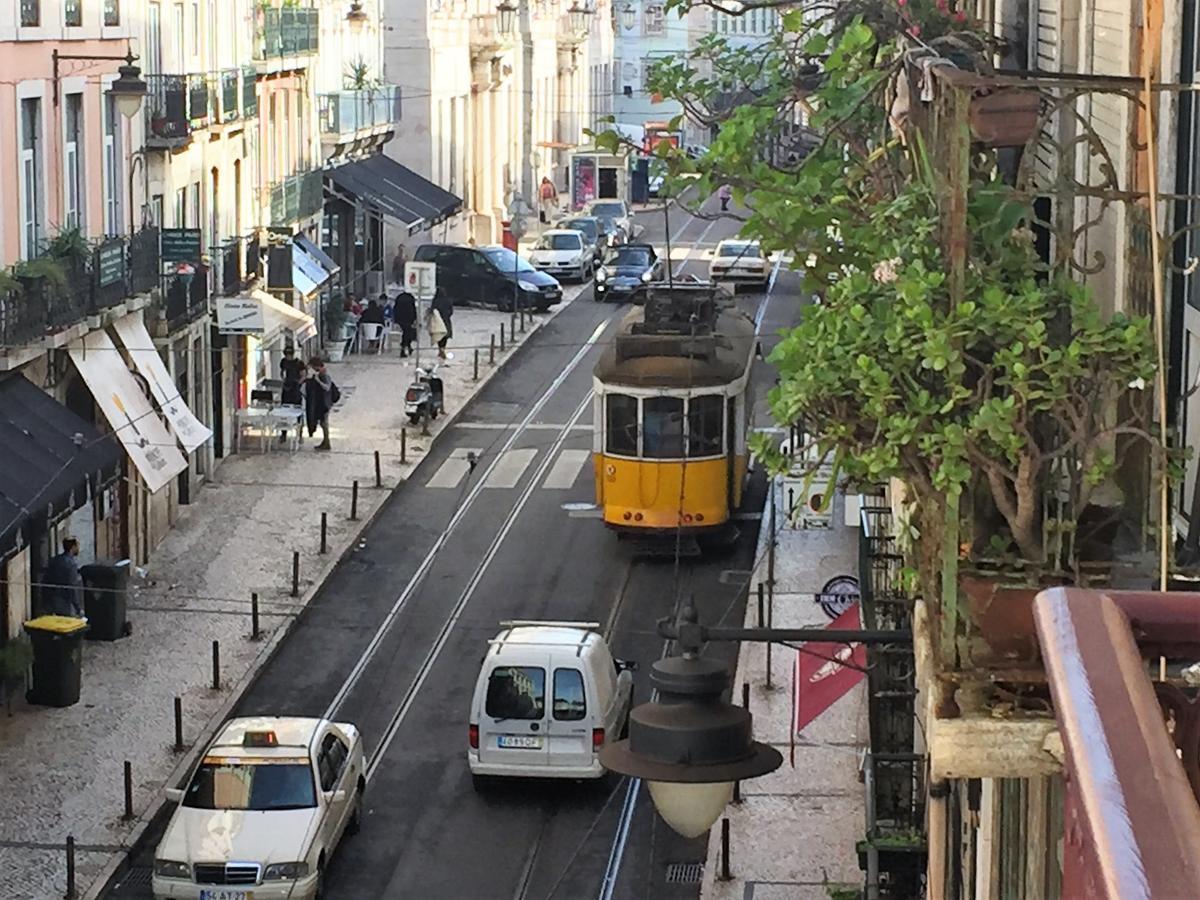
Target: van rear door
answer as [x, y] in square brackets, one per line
[512, 723]
[573, 715]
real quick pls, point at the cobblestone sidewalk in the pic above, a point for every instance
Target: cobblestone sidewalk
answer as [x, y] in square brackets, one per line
[62, 771]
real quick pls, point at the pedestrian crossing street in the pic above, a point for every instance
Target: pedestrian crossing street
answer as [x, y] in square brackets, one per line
[510, 468]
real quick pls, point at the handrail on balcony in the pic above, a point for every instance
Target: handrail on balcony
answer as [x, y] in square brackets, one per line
[249, 92]
[351, 111]
[287, 31]
[166, 108]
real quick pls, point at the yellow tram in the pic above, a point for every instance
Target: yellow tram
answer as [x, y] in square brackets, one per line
[671, 411]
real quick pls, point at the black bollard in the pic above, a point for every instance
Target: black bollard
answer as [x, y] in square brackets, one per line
[216, 661]
[254, 616]
[491, 349]
[475, 376]
[378, 471]
[178, 725]
[296, 571]
[403, 446]
[70, 894]
[726, 875]
[501, 337]
[128, 791]
[324, 532]
[353, 504]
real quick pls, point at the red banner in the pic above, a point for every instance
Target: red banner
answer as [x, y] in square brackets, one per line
[821, 676]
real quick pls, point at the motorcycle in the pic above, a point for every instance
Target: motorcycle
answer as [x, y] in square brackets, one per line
[424, 398]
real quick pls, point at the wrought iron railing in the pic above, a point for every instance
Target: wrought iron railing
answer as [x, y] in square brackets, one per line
[144, 261]
[348, 112]
[166, 105]
[231, 266]
[200, 99]
[297, 197]
[230, 94]
[249, 92]
[186, 298]
[287, 31]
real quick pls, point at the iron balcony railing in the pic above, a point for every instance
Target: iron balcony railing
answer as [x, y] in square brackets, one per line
[230, 94]
[201, 99]
[166, 105]
[186, 298]
[287, 31]
[297, 197]
[349, 112]
[249, 92]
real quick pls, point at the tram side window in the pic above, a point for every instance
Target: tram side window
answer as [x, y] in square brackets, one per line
[704, 425]
[621, 425]
[662, 428]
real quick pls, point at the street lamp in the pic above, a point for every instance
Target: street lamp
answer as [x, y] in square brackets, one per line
[689, 745]
[576, 18]
[128, 89]
[357, 17]
[628, 16]
[506, 13]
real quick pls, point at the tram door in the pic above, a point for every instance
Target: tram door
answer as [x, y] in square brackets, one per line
[731, 452]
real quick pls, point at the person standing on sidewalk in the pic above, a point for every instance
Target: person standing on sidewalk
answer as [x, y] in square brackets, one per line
[549, 197]
[398, 262]
[320, 395]
[64, 597]
[725, 194]
[406, 317]
[441, 311]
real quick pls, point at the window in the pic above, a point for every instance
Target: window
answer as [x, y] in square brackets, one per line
[181, 206]
[73, 13]
[453, 185]
[704, 425]
[570, 704]
[331, 760]
[31, 176]
[560, 242]
[112, 12]
[195, 28]
[114, 182]
[656, 19]
[180, 25]
[662, 428]
[154, 39]
[193, 205]
[73, 161]
[516, 692]
[251, 784]
[31, 13]
[621, 425]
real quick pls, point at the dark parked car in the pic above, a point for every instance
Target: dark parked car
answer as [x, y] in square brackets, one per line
[626, 273]
[486, 275]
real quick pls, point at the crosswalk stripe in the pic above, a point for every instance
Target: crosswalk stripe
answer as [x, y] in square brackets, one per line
[510, 468]
[566, 469]
[451, 472]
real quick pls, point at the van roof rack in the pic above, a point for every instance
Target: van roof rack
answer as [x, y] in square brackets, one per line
[518, 623]
[583, 639]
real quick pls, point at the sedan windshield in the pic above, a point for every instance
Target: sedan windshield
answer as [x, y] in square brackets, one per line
[257, 785]
[738, 251]
[610, 210]
[559, 242]
[584, 225]
[507, 261]
[629, 257]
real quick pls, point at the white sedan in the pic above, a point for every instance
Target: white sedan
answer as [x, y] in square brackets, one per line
[263, 811]
[740, 262]
[563, 253]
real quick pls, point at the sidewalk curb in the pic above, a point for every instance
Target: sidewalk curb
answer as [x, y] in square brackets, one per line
[104, 879]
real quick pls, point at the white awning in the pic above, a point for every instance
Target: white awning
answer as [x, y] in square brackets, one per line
[308, 275]
[278, 315]
[191, 432]
[128, 410]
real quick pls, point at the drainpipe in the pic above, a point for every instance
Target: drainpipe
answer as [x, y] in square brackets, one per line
[939, 791]
[525, 13]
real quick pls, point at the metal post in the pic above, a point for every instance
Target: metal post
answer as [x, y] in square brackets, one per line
[491, 349]
[378, 471]
[475, 374]
[128, 790]
[178, 725]
[403, 446]
[726, 875]
[70, 894]
[325, 531]
[770, 624]
[216, 661]
[354, 501]
[737, 785]
[501, 337]
[296, 572]
[254, 616]
[667, 224]
[762, 622]
[512, 326]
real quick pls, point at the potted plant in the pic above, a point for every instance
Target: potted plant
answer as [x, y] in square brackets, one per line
[334, 315]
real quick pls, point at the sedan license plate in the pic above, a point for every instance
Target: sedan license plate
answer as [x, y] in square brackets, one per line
[519, 742]
[225, 894]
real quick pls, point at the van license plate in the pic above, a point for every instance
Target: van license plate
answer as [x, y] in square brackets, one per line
[520, 742]
[224, 894]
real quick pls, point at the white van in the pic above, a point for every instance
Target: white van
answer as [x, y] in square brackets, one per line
[548, 697]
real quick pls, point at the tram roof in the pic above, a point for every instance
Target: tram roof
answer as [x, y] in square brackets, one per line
[679, 360]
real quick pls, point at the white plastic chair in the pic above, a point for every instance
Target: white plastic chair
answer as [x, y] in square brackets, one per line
[371, 333]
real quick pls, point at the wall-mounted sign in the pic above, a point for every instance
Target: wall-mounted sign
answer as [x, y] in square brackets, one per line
[110, 259]
[180, 244]
[420, 279]
[239, 315]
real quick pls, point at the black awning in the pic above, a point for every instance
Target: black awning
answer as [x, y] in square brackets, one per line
[45, 470]
[396, 190]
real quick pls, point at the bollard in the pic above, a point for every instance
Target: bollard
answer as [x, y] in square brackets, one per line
[70, 894]
[178, 725]
[762, 607]
[491, 349]
[353, 504]
[770, 624]
[791, 501]
[324, 532]
[403, 446]
[216, 683]
[128, 791]
[512, 326]
[475, 377]
[726, 875]
[501, 337]
[296, 571]
[745, 695]
[378, 472]
[254, 614]
[522, 320]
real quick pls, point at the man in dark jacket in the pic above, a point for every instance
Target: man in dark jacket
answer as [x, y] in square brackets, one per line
[405, 314]
[64, 598]
[444, 307]
[320, 394]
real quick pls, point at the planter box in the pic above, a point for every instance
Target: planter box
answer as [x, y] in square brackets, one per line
[1006, 117]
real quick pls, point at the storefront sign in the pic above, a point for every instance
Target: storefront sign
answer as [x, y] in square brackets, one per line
[239, 315]
[420, 279]
[111, 263]
[180, 245]
[583, 180]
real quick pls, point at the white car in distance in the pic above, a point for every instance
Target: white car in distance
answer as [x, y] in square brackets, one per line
[740, 262]
[263, 812]
[563, 253]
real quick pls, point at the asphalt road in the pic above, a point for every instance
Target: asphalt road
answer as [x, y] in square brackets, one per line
[394, 639]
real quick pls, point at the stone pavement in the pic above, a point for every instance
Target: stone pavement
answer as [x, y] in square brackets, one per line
[62, 771]
[796, 829]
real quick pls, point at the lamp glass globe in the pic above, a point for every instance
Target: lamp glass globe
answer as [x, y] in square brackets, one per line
[690, 809]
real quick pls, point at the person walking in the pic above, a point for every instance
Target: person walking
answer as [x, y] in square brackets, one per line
[398, 262]
[725, 194]
[320, 395]
[406, 317]
[441, 317]
[65, 595]
[549, 197]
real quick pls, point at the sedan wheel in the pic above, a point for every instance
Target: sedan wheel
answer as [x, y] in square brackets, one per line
[354, 826]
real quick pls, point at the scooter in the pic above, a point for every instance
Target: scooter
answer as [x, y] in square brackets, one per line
[424, 398]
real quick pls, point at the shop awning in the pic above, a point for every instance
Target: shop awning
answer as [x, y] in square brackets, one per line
[316, 253]
[308, 275]
[396, 191]
[277, 315]
[53, 460]
[129, 411]
[191, 432]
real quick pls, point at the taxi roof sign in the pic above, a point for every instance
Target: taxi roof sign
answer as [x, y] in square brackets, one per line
[260, 739]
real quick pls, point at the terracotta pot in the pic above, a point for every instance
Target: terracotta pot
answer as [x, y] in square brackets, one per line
[1006, 117]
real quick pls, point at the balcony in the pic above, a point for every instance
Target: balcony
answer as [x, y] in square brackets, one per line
[168, 124]
[249, 92]
[486, 37]
[357, 120]
[284, 34]
[186, 298]
[297, 198]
